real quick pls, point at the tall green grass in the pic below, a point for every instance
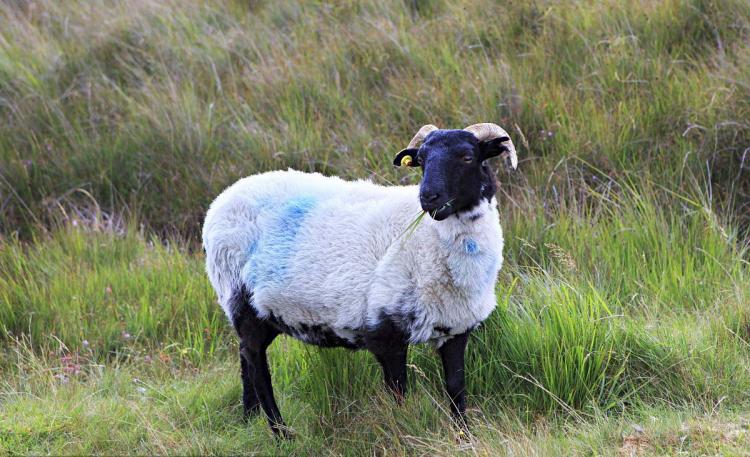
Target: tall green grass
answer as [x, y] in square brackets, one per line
[108, 291]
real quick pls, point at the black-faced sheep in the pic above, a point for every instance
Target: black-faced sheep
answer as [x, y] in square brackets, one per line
[327, 261]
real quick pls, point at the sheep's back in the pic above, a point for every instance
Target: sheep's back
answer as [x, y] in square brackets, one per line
[304, 244]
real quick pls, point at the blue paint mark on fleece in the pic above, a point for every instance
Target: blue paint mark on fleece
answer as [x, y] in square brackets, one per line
[471, 246]
[269, 256]
[252, 248]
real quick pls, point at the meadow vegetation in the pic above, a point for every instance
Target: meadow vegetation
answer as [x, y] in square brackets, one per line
[623, 323]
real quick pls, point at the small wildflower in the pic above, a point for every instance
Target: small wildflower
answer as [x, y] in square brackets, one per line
[85, 343]
[562, 256]
[72, 368]
[126, 335]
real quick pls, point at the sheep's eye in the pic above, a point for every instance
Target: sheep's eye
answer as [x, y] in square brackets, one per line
[468, 158]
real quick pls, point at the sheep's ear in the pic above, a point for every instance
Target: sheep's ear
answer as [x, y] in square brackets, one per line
[406, 158]
[492, 148]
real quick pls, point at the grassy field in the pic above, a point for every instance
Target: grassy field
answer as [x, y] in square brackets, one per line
[623, 320]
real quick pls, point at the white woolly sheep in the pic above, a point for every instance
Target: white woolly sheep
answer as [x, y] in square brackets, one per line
[329, 261]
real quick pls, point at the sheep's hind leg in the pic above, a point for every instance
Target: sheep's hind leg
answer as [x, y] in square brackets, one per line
[253, 345]
[255, 336]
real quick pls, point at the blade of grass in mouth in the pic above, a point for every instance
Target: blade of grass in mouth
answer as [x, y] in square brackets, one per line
[412, 227]
[409, 231]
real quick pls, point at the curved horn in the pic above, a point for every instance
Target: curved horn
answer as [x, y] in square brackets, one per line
[421, 134]
[488, 131]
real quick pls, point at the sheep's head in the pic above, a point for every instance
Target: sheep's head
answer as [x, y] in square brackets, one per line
[456, 176]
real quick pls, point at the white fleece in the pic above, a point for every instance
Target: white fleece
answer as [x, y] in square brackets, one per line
[319, 250]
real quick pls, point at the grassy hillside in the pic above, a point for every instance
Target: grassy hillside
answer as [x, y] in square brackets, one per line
[622, 326]
[154, 107]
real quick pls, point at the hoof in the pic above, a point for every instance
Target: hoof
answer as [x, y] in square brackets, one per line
[461, 425]
[283, 432]
[463, 435]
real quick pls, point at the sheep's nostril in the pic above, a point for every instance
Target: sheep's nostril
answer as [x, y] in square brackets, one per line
[430, 200]
[429, 197]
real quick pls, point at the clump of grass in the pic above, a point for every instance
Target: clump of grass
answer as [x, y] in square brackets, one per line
[561, 348]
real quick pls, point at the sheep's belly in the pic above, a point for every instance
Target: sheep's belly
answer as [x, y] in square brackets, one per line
[312, 330]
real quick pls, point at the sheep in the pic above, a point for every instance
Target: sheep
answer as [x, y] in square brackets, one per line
[333, 262]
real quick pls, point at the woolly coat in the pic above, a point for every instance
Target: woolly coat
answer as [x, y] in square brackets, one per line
[334, 255]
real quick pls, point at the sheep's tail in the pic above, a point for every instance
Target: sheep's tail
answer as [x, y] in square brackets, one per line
[240, 306]
[226, 242]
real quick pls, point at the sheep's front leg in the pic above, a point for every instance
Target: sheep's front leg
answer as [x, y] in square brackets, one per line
[250, 401]
[390, 345]
[394, 372]
[452, 355]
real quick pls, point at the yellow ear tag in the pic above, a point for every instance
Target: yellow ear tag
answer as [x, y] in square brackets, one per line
[406, 161]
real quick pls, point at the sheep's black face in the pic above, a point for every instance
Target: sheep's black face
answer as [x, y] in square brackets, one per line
[456, 177]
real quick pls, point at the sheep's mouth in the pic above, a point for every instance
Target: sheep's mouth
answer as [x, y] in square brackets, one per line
[441, 212]
[451, 208]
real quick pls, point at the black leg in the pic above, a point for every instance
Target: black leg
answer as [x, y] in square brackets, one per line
[261, 378]
[250, 402]
[255, 336]
[452, 355]
[390, 344]
[394, 372]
